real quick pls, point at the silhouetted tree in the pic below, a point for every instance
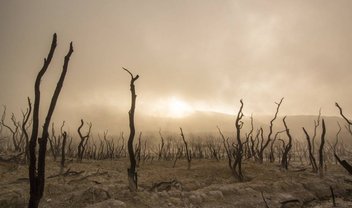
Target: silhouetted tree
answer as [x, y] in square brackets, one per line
[238, 151]
[188, 152]
[316, 125]
[287, 148]
[26, 116]
[37, 170]
[349, 123]
[321, 149]
[264, 145]
[311, 155]
[64, 138]
[13, 130]
[132, 173]
[161, 147]
[272, 152]
[84, 139]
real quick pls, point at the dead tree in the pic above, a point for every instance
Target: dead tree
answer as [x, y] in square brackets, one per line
[26, 116]
[235, 152]
[84, 139]
[132, 173]
[272, 152]
[13, 130]
[349, 123]
[316, 125]
[161, 147]
[249, 137]
[238, 151]
[287, 148]
[311, 155]
[264, 145]
[64, 138]
[226, 147]
[321, 149]
[188, 152]
[344, 163]
[138, 149]
[177, 156]
[37, 170]
[52, 142]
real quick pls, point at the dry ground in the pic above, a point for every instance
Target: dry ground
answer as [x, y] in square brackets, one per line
[209, 183]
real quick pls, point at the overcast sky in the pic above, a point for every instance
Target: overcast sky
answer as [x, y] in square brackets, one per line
[203, 55]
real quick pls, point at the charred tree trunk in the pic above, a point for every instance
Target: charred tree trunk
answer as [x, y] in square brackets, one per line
[24, 128]
[349, 123]
[37, 171]
[272, 152]
[13, 130]
[64, 138]
[188, 152]
[161, 148]
[227, 148]
[321, 149]
[132, 173]
[311, 155]
[344, 164]
[83, 142]
[237, 164]
[287, 148]
[263, 146]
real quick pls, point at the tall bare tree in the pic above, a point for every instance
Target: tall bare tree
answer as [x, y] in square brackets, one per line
[266, 143]
[26, 116]
[188, 152]
[310, 152]
[287, 148]
[238, 151]
[132, 172]
[321, 149]
[84, 139]
[348, 121]
[37, 170]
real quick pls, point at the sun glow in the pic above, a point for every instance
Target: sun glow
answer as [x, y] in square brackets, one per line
[171, 107]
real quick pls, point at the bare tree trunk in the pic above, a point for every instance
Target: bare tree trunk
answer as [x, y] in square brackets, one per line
[37, 171]
[188, 152]
[161, 146]
[263, 146]
[237, 164]
[64, 137]
[132, 173]
[321, 149]
[349, 123]
[287, 148]
[24, 130]
[84, 139]
[311, 155]
[272, 152]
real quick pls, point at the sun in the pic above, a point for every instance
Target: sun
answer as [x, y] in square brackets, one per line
[177, 108]
[172, 107]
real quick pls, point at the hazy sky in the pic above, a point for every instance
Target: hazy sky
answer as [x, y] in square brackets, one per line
[190, 55]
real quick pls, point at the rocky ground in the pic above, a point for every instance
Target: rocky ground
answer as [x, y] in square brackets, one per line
[209, 183]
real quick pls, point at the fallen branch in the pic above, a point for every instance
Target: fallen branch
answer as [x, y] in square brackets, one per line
[344, 164]
[283, 203]
[266, 204]
[15, 158]
[166, 186]
[87, 176]
[67, 173]
[333, 196]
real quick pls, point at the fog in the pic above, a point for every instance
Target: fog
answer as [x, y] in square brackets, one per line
[203, 55]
